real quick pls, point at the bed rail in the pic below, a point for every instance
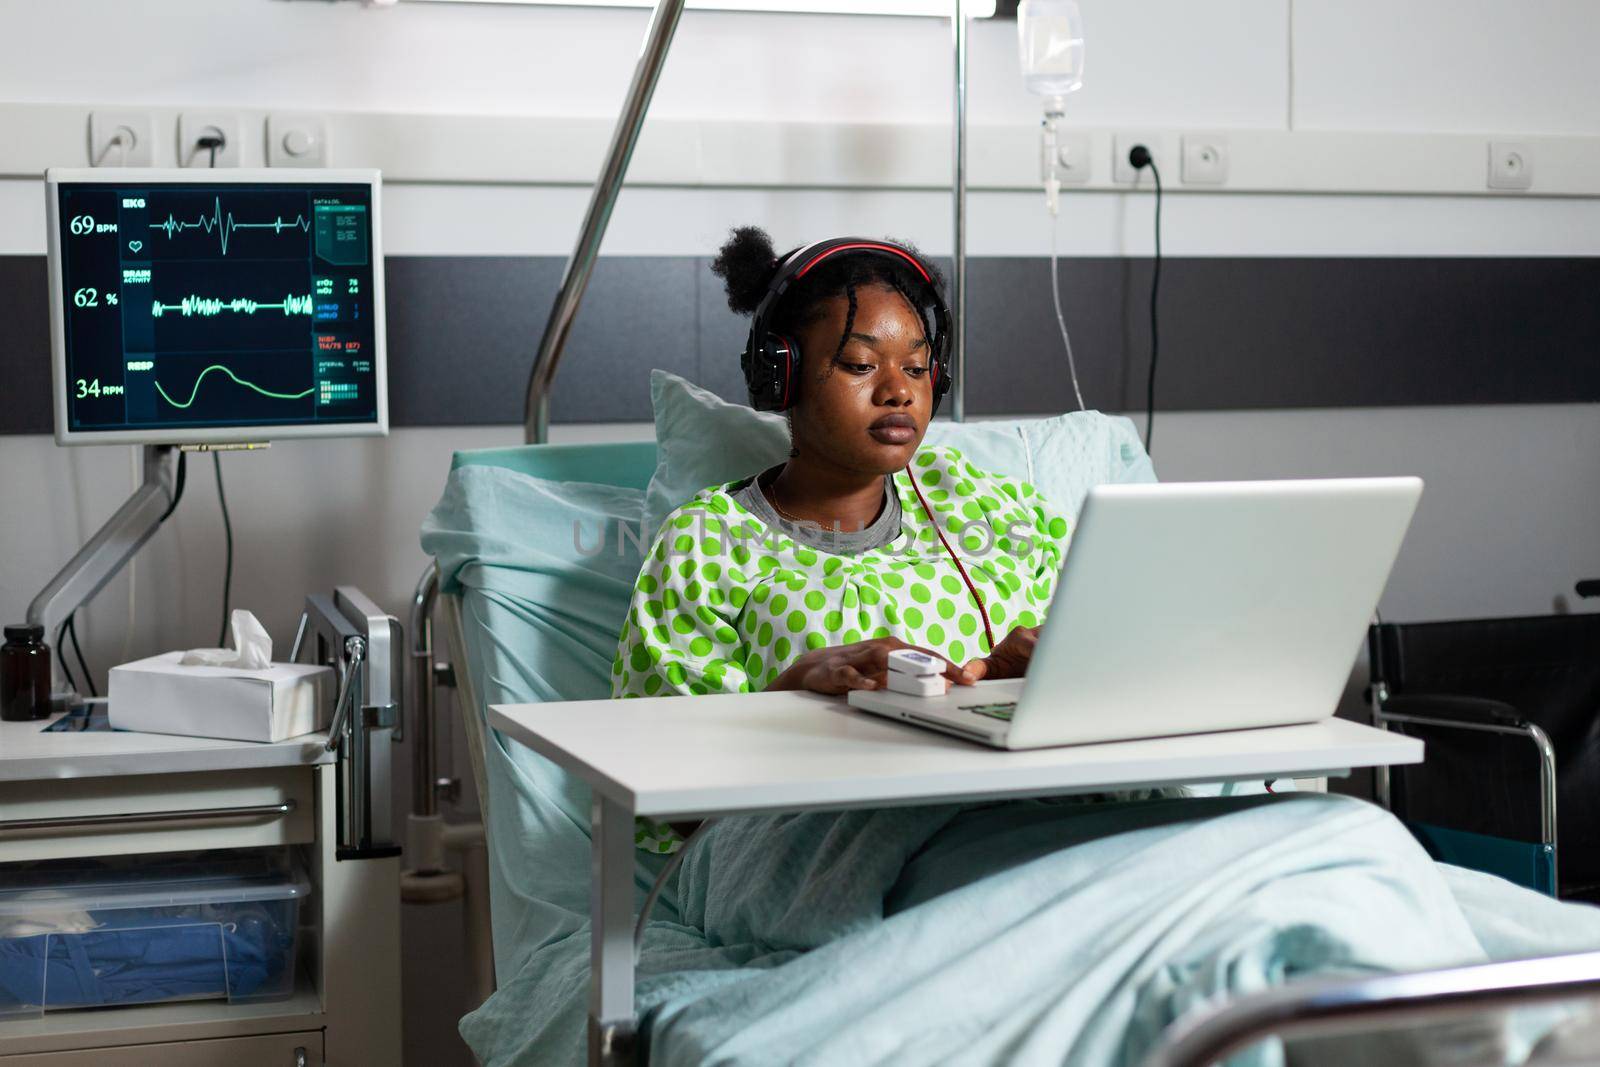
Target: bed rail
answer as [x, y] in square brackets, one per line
[1363, 1005]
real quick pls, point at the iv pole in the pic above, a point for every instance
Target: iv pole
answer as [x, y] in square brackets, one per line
[958, 276]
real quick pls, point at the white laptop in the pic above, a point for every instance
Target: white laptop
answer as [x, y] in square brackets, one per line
[1191, 607]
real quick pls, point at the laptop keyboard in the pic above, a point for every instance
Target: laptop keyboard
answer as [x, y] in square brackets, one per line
[1001, 710]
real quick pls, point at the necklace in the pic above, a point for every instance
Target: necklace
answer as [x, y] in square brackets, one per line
[772, 498]
[771, 491]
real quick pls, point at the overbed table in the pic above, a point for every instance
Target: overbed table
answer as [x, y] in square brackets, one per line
[671, 758]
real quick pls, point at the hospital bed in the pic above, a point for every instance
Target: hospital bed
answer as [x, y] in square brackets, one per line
[488, 641]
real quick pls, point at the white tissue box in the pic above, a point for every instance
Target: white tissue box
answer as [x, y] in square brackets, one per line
[158, 696]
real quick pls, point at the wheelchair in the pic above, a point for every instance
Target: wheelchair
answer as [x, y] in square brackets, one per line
[1509, 710]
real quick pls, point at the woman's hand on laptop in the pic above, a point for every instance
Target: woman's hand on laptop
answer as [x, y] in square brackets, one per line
[837, 669]
[1010, 657]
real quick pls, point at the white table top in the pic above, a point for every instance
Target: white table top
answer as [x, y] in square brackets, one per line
[28, 754]
[671, 756]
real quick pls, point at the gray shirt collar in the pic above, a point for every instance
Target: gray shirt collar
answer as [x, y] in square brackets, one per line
[884, 529]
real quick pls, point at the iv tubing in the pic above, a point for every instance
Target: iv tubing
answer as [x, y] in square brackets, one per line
[1052, 190]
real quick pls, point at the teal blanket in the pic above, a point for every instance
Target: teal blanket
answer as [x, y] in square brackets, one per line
[1059, 932]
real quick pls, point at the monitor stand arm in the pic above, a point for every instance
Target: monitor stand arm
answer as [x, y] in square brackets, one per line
[98, 561]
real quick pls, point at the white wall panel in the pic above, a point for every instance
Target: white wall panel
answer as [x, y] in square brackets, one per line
[512, 220]
[1175, 62]
[1461, 65]
[1219, 62]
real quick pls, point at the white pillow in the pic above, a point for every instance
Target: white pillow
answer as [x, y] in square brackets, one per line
[703, 440]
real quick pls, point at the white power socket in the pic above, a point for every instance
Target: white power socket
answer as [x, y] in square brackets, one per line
[195, 125]
[297, 140]
[1205, 159]
[121, 139]
[1510, 165]
[1123, 172]
[1072, 158]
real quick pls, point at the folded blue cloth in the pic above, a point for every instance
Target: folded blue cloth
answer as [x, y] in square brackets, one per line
[144, 955]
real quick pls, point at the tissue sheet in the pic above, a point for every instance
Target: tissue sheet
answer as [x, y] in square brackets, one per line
[251, 651]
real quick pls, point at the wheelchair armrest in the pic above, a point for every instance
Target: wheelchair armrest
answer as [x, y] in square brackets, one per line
[1467, 711]
[1490, 716]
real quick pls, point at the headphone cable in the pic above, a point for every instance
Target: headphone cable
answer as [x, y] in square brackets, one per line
[977, 597]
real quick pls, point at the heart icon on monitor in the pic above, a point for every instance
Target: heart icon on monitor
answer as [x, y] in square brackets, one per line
[134, 246]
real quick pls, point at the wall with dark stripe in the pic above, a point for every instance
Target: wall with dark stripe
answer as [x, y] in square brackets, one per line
[1236, 333]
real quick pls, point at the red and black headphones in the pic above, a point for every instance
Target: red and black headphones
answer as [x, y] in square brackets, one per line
[771, 361]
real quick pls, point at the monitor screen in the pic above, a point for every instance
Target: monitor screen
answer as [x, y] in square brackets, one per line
[206, 308]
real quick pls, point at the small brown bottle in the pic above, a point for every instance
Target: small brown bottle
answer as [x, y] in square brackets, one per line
[24, 674]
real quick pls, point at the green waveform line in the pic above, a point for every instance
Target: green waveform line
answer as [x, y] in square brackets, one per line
[249, 385]
[206, 306]
[224, 227]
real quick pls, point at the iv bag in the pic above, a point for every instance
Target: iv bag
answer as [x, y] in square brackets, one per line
[1050, 33]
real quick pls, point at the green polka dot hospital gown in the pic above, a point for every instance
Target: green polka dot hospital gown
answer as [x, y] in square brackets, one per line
[724, 603]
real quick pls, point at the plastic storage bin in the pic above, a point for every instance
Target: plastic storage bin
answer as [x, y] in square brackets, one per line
[131, 930]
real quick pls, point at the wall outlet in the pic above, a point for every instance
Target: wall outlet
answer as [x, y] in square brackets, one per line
[1072, 158]
[1123, 172]
[1510, 165]
[121, 139]
[297, 141]
[194, 125]
[1205, 159]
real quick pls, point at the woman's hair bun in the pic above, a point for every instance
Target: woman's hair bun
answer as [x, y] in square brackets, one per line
[745, 263]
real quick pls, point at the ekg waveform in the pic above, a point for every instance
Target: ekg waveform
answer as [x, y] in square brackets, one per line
[248, 385]
[224, 225]
[206, 306]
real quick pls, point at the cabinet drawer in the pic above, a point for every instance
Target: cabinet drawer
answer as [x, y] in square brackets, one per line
[156, 813]
[265, 1050]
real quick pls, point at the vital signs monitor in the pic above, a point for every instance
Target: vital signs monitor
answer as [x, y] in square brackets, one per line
[207, 307]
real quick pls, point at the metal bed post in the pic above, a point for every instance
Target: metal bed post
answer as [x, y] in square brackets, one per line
[425, 753]
[658, 38]
[1356, 1005]
[958, 276]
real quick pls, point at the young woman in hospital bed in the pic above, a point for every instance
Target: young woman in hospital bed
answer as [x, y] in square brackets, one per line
[1050, 931]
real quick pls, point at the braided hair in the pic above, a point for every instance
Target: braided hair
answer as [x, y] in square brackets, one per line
[747, 263]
